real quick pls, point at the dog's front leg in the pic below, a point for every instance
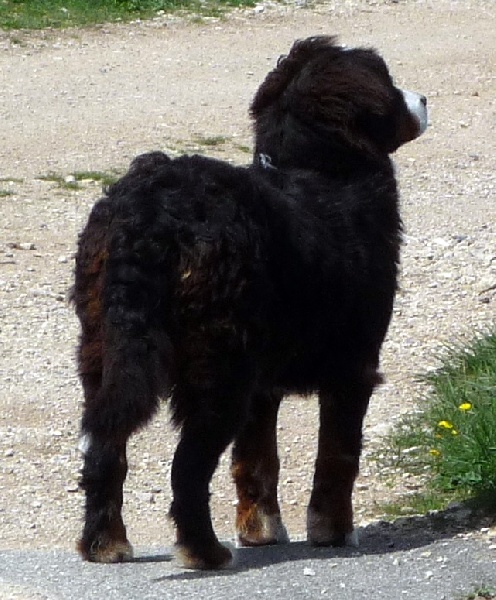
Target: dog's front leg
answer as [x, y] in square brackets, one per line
[255, 470]
[330, 512]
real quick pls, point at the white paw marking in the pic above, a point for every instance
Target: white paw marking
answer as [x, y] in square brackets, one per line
[320, 532]
[272, 530]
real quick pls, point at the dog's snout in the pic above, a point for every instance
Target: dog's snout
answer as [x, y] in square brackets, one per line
[417, 105]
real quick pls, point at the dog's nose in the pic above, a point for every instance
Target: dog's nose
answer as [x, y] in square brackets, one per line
[423, 100]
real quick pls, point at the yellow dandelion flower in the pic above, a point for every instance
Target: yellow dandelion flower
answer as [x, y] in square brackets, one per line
[454, 432]
[434, 452]
[445, 424]
[465, 406]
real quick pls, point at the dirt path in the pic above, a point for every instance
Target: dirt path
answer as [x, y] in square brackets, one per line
[91, 100]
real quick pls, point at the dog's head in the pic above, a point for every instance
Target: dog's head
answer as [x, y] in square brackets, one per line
[322, 91]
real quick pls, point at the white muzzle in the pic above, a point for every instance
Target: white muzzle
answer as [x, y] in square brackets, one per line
[417, 105]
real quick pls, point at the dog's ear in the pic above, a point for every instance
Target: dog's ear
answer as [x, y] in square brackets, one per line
[288, 66]
[342, 90]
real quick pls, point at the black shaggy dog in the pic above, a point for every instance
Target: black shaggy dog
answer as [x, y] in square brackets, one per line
[225, 288]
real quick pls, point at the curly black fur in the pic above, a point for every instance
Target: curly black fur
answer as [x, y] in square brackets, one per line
[217, 285]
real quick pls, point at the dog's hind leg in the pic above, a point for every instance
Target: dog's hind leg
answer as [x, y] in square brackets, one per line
[210, 407]
[195, 460]
[119, 398]
[104, 536]
[342, 410]
[255, 469]
[122, 357]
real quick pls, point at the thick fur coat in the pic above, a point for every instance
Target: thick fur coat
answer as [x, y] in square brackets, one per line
[224, 288]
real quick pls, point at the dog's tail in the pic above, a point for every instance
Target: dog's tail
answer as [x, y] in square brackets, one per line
[130, 351]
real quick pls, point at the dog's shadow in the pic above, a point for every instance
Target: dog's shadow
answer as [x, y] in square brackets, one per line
[404, 534]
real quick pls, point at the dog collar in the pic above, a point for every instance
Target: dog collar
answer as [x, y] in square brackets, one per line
[265, 161]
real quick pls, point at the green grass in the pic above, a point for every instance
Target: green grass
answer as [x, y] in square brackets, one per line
[481, 593]
[210, 141]
[243, 148]
[208, 145]
[40, 14]
[420, 503]
[76, 180]
[81, 179]
[102, 177]
[10, 180]
[451, 443]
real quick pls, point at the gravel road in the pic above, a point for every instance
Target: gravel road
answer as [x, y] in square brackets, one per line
[80, 101]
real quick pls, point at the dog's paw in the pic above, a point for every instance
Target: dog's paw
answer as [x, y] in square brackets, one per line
[215, 556]
[106, 551]
[260, 529]
[322, 531]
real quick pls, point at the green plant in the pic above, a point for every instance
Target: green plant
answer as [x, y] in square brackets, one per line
[451, 444]
[64, 182]
[409, 505]
[10, 180]
[39, 14]
[462, 418]
[75, 180]
[482, 593]
[105, 178]
[211, 141]
[243, 148]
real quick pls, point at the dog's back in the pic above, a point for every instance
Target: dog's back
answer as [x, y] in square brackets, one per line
[304, 272]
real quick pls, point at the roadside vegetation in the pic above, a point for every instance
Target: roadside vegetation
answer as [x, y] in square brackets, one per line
[41, 14]
[77, 180]
[6, 186]
[481, 593]
[211, 145]
[450, 444]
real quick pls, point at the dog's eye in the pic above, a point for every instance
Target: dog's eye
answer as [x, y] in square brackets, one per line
[281, 58]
